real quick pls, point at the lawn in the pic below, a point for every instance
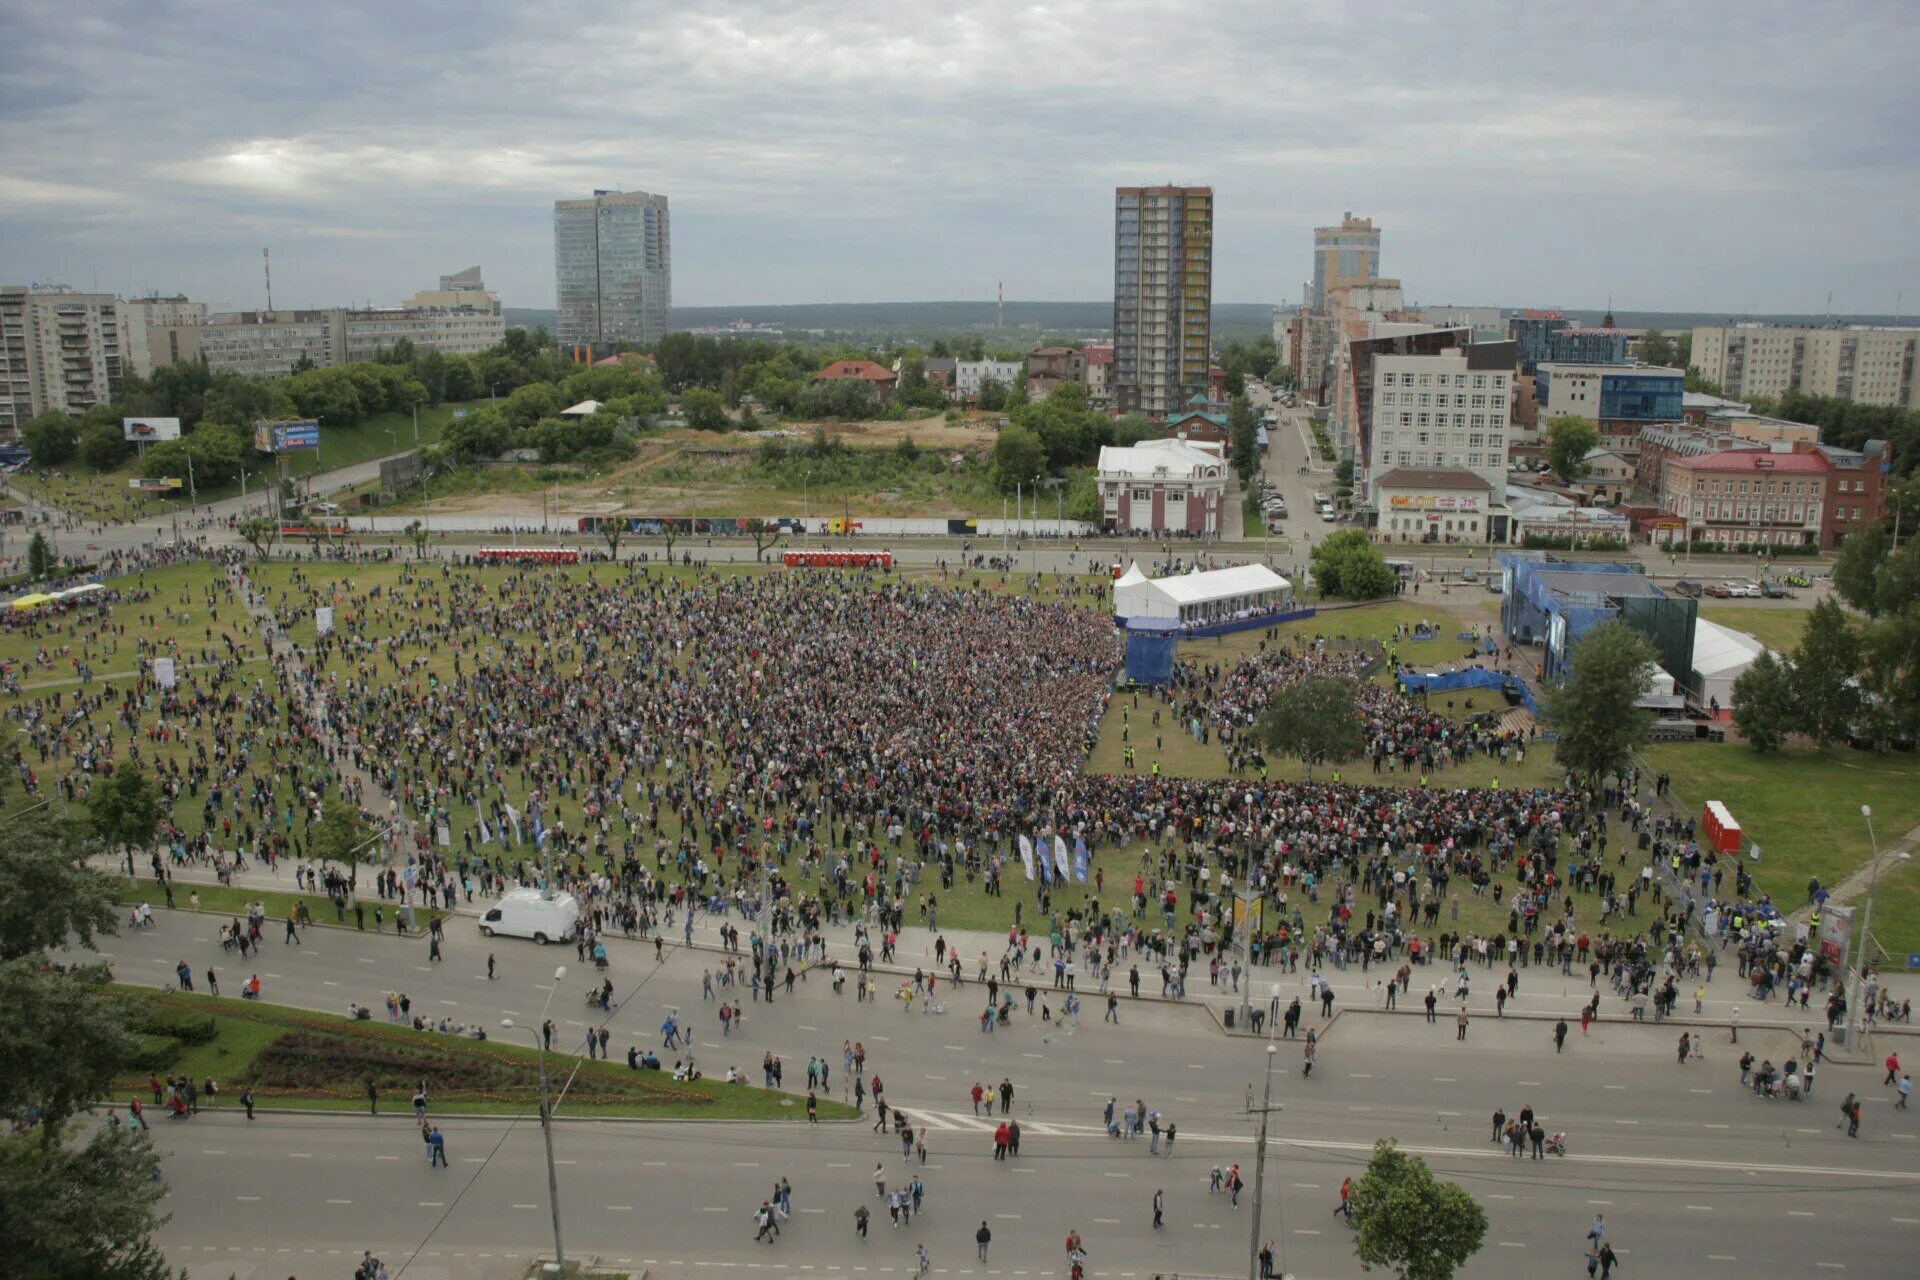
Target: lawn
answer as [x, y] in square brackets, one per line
[300, 1059]
[1803, 809]
[1777, 628]
[218, 900]
[103, 496]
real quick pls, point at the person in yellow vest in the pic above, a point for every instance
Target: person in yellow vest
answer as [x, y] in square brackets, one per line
[1496, 784]
[1423, 782]
[1156, 768]
[1336, 777]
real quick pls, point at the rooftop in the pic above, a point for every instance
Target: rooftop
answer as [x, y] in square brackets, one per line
[1442, 478]
[1756, 461]
[1219, 584]
[1174, 459]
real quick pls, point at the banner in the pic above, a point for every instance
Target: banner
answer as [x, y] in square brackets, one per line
[1026, 855]
[1060, 855]
[147, 430]
[163, 673]
[1080, 859]
[323, 619]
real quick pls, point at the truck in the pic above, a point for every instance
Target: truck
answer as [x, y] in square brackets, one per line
[527, 913]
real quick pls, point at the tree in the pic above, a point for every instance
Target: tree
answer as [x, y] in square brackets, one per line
[1763, 703]
[1409, 1221]
[669, 534]
[993, 395]
[1683, 349]
[1657, 348]
[1243, 438]
[343, 836]
[48, 894]
[1592, 711]
[86, 1209]
[765, 534]
[419, 535]
[1823, 682]
[102, 447]
[258, 532]
[1314, 722]
[304, 364]
[51, 438]
[126, 807]
[613, 529]
[1347, 564]
[40, 557]
[1018, 456]
[705, 410]
[1569, 440]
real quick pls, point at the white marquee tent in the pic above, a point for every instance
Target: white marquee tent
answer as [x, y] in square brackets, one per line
[1720, 654]
[1199, 598]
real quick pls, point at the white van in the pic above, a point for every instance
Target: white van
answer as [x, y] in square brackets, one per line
[523, 913]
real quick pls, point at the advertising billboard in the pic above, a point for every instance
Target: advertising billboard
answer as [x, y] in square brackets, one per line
[286, 437]
[161, 484]
[148, 430]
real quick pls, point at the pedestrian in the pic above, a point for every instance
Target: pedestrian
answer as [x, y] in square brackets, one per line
[1892, 1063]
[1905, 1087]
[489, 966]
[813, 1107]
[1345, 1207]
[373, 1098]
[1460, 1024]
[880, 1180]
[213, 982]
[860, 1220]
[982, 1238]
[246, 1100]
[1559, 1035]
[1159, 1209]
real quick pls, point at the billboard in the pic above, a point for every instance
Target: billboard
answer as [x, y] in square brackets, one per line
[148, 430]
[286, 437]
[163, 484]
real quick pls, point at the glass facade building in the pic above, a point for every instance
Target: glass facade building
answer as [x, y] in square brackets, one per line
[613, 268]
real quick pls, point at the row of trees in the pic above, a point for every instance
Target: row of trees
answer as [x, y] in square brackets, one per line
[1850, 676]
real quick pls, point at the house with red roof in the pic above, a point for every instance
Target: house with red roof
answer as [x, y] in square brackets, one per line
[1745, 497]
[880, 378]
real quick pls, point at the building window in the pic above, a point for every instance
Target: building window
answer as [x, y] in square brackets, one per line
[1479, 380]
[1143, 495]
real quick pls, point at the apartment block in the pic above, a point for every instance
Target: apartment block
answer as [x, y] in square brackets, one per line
[137, 315]
[58, 350]
[613, 268]
[1444, 410]
[1867, 365]
[1345, 254]
[1162, 296]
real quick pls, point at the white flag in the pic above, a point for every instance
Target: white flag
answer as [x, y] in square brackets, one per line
[1059, 855]
[1026, 854]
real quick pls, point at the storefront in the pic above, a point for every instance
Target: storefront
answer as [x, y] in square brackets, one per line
[1439, 506]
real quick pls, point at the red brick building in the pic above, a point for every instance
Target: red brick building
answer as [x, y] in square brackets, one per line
[1856, 491]
[882, 380]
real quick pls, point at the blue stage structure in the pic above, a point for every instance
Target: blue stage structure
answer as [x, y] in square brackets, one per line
[1472, 678]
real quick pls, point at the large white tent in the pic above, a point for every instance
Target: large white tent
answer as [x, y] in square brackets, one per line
[1198, 598]
[1720, 654]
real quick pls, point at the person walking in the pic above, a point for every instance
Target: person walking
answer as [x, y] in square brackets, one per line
[860, 1220]
[1460, 1024]
[981, 1239]
[1559, 1035]
[489, 966]
[1345, 1207]
[436, 1149]
[1905, 1087]
[1159, 1209]
[373, 1098]
[246, 1100]
[1892, 1064]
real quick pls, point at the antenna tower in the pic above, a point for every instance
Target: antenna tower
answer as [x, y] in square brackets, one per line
[266, 258]
[1000, 306]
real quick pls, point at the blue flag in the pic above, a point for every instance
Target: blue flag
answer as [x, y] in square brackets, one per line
[1080, 859]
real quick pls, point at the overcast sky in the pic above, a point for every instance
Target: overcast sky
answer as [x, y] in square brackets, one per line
[1737, 155]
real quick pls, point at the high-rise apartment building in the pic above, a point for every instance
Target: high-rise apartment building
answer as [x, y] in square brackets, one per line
[613, 268]
[1162, 296]
[1342, 255]
[58, 350]
[1862, 364]
[138, 315]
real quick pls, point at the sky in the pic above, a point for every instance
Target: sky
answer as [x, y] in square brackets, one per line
[1745, 155]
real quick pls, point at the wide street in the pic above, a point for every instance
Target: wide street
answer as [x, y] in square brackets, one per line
[1692, 1172]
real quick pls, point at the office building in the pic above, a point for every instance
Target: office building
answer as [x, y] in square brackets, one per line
[1620, 400]
[1547, 337]
[137, 315]
[1343, 255]
[1162, 296]
[58, 350]
[1863, 364]
[613, 268]
[969, 374]
[1746, 498]
[1439, 416]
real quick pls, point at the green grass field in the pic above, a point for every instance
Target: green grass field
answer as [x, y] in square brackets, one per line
[1777, 628]
[220, 901]
[1803, 809]
[295, 1058]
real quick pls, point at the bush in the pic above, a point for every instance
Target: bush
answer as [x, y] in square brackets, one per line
[1567, 542]
[154, 1053]
[1741, 549]
[188, 1026]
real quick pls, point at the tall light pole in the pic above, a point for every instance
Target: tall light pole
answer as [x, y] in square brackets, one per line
[546, 1121]
[1854, 1010]
[1260, 1167]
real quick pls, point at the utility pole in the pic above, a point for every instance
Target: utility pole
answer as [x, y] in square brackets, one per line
[559, 1267]
[1260, 1169]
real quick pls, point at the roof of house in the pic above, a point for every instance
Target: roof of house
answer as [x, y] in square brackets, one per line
[1443, 478]
[939, 364]
[866, 370]
[1168, 459]
[1179, 419]
[585, 409]
[1098, 353]
[1756, 461]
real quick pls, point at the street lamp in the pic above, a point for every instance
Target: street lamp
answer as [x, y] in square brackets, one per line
[1260, 1167]
[1853, 1010]
[559, 1267]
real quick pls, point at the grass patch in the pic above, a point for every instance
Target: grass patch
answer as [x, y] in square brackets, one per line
[1803, 809]
[296, 1058]
[219, 900]
[1778, 629]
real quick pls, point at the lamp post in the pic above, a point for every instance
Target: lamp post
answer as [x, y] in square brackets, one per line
[1260, 1167]
[559, 1267]
[1866, 922]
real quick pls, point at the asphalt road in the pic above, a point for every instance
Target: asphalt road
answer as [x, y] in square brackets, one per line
[1692, 1172]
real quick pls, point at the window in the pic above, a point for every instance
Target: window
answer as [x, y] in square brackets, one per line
[1479, 380]
[1473, 459]
[1143, 495]
[1426, 379]
[1424, 418]
[1476, 439]
[1856, 513]
[1406, 419]
[1426, 399]
[1422, 438]
[1459, 379]
[1479, 402]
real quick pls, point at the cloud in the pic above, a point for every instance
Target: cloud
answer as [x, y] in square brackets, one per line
[867, 149]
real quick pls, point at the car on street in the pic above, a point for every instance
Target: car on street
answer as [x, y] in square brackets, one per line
[1743, 590]
[1687, 588]
[1329, 514]
[1718, 590]
[524, 913]
[1469, 574]
[1772, 590]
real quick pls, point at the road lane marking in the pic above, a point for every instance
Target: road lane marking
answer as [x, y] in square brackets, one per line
[1701, 1208]
[1492, 1197]
[1800, 1213]
[526, 1206]
[1720, 1257]
[1719, 1126]
[1511, 1244]
[339, 1202]
[1599, 1202]
[1359, 1075]
[246, 1199]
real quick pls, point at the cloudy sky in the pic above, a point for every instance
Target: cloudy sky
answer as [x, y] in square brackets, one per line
[1745, 155]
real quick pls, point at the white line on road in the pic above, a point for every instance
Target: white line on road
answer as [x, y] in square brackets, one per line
[1620, 1087]
[619, 1208]
[1010, 1217]
[1108, 1222]
[470, 1159]
[953, 1048]
[1719, 1126]
[1799, 1213]
[526, 1206]
[1033, 1055]
[213, 1153]
[1599, 1202]
[1908, 1221]
[325, 983]
[1492, 1197]
[1701, 1208]
[1529, 1084]
[1720, 1257]
[339, 1202]
[246, 1199]
[1305, 1231]
[1359, 1075]
[299, 1155]
[1511, 1244]
[805, 1027]
[1116, 1175]
[1445, 1080]
[936, 1077]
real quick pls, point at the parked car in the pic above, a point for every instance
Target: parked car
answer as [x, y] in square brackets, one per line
[1329, 514]
[1469, 574]
[1744, 590]
[1495, 584]
[1772, 590]
[1686, 588]
[1718, 590]
[523, 913]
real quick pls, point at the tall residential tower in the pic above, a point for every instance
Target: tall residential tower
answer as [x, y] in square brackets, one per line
[1162, 296]
[613, 268]
[1342, 255]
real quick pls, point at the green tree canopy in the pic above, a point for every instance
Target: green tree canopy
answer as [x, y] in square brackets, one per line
[1763, 703]
[51, 438]
[1348, 565]
[1018, 456]
[344, 837]
[126, 806]
[82, 1209]
[1657, 348]
[47, 892]
[1243, 436]
[1569, 440]
[1315, 722]
[1597, 726]
[1410, 1222]
[705, 410]
[1823, 681]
